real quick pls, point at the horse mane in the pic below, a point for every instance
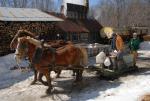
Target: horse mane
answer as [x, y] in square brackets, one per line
[34, 41]
[20, 33]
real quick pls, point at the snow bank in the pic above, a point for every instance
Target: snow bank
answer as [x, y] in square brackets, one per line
[144, 51]
[145, 45]
[129, 90]
[7, 76]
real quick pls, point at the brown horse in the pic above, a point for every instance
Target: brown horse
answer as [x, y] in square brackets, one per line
[70, 57]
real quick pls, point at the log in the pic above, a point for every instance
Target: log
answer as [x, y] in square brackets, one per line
[9, 29]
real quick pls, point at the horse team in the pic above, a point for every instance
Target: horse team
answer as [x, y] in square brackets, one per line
[52, 56]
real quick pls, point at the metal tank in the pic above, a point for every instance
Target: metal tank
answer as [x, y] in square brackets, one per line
[76, 2]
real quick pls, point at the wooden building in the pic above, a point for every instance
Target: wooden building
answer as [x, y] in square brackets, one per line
[70, 24]
[76, 26]
[85, 30]
[13, 19]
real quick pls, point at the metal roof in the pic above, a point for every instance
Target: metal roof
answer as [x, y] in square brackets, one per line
[79, 26]
[70, 26]
[25, 14]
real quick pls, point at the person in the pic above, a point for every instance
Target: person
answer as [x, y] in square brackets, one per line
[117, 45]
[117, 42]
[134, 46]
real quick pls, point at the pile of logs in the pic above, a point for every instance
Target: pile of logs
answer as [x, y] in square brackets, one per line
[9, 29]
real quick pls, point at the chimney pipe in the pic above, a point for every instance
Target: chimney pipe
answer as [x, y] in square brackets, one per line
[87, 3]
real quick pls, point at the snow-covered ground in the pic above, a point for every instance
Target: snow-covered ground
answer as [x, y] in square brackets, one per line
[144, 52]
[15, 85]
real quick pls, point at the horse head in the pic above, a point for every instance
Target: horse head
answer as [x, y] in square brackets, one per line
[21, 49]
[25, 45]
[20, 33]
[21, 42]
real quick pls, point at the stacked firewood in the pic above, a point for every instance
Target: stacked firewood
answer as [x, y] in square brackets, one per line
[9, 29]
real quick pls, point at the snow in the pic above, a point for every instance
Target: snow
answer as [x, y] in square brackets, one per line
[8, 77]
[128, 91]
[145, 45]
[15, 85]
[144, 51]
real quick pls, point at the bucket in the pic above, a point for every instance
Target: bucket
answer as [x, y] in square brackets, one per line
[128, 59]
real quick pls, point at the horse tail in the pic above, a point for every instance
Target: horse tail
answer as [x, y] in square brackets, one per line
[84, 56]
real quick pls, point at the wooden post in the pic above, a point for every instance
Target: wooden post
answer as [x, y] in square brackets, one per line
[79, 37]
[70, 36]
[89, 37]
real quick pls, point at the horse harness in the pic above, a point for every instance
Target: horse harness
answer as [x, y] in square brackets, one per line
[39, 53]
[37, 56]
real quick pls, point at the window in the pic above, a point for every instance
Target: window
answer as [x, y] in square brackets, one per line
[84, 36]
[75, 37]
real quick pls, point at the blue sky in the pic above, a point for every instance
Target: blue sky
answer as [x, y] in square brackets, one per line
[93, 2]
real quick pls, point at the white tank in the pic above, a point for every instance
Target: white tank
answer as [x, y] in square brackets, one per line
[77, 2]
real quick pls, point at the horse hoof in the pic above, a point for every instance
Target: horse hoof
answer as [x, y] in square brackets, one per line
[45, 83]
[32, 83]
[48, 91]
[74, 83]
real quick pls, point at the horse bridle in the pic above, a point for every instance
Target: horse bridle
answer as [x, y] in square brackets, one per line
[22, 47]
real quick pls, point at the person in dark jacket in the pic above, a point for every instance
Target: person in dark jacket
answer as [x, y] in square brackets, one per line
[134, 46]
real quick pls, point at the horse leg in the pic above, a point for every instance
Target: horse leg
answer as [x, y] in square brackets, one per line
[47, 75]
[79, 74]
[35, 77]
[74, 73]
[18, 62]
[58, 73]
[40, 79]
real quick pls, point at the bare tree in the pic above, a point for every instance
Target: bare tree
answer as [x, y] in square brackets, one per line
[24, 3]
[3, 3]
[15, 3]
[123, 13]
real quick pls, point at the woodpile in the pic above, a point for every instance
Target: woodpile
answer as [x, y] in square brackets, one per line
[146, 37]
[145, 98]
[9, 29]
